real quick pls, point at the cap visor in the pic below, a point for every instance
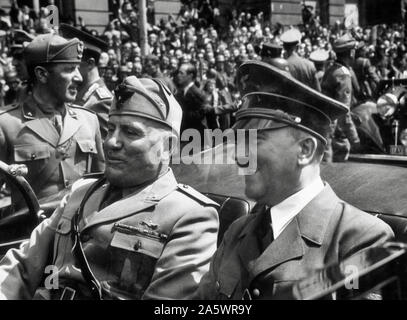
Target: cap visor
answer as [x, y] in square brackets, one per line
[258, 124]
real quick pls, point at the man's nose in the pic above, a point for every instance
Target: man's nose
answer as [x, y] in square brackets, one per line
[77, 76]
[113, 141]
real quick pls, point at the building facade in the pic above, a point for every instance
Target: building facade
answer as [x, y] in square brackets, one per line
[97, 13]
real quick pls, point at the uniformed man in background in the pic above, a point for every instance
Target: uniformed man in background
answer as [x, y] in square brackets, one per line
[271, 53]
[93, 93]
[300, 68]
[21, 39]
[134, 233]
[56, 140]
[319, 57]
[339, 84]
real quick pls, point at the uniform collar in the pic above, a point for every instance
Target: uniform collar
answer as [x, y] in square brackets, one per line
[31, 110]
[87, 91]
[285, 211]
[312, 220]
[140, 200]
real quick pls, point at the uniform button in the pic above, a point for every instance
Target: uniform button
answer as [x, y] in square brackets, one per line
[217, 285]
[256, 292]
[33, 156]
[91, 148]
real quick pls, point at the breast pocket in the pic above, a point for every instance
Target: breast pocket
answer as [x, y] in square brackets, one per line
[134, 257]
[62, 240]
[31, 152]
[85, 151]
[87, 146]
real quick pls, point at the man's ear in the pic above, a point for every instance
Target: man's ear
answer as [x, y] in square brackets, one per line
[91, 63]
[41, 74]
[308, 147]
[170, 145]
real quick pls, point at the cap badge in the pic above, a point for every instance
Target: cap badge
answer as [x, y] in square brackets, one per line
[80, 50]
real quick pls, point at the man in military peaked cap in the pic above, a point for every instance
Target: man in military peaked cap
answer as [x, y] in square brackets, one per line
[56, 140]
[300, 68]
[93, 93]
[137, 234]
[298, 223]
[272, 53]
[340, 83]
[21, 39]
[319, 57]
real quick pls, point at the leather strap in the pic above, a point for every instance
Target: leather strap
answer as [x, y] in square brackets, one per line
[77, 250]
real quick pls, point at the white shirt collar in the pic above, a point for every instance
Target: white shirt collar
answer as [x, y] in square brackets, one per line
[187, 88]
[284, 212]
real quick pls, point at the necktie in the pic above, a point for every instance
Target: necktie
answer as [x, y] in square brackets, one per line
[58, 123]
[266, 235]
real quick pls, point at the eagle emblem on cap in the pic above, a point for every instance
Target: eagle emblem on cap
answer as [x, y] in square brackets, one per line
[80, 50]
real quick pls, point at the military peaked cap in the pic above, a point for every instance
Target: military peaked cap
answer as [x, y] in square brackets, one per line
[271, 50]
[273, 99]
[319, 56]
[291, 36]
[344, 43]
[90, 42]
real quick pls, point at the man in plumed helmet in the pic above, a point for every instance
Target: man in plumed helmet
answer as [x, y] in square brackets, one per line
[57, 141]
[298, 223]
[135, 233]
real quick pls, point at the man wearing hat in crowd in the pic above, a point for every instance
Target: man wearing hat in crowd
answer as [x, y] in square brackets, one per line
[21, 39]
[153, 70]
[132, 234]
[14, 88]
[56, 140]
[319, 57]
[300, 68]
[339, 82]
[365, 73]
[298, 223]
[93, 93]
[271, 53]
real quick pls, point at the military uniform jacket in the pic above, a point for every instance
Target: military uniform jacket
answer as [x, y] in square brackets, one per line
[324, 232]
[98, 98]
[154, 244]
[337, 84]
[54, 160]
[303, 70]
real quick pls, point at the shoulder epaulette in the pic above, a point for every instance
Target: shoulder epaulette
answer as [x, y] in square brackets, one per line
[81, 108]
[9, 108]
[196, 195]
[103, 93]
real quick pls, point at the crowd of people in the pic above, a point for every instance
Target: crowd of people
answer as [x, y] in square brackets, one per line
[130, 230]
[215, 45]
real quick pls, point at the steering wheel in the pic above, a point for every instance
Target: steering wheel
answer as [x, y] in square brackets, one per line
[32, 213]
